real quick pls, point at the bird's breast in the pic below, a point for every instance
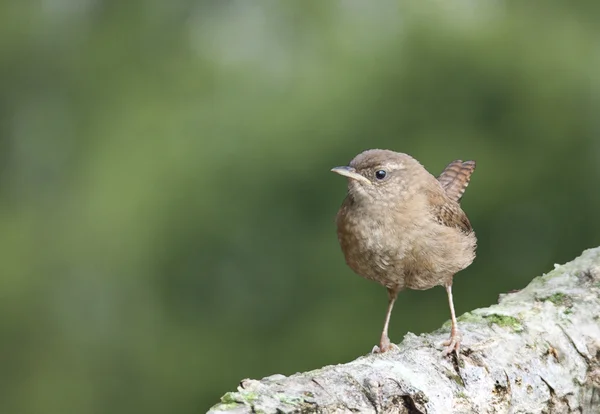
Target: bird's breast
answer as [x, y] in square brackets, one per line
[399, 249]
[373, 243]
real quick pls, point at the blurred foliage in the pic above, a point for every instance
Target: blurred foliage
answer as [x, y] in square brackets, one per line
[166, 205]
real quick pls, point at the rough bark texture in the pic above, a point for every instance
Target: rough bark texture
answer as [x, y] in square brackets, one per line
[537, 351]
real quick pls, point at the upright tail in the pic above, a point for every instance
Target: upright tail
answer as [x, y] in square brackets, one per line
[455, 178]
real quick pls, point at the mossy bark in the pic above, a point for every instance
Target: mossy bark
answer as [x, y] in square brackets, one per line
[536, 351]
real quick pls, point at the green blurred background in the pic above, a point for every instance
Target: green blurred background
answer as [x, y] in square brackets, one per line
[166, 206]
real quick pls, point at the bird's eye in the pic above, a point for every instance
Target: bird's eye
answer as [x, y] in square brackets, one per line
[380, 174]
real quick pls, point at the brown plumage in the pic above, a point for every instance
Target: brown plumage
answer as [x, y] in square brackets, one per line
[455, 178]
[403, 228]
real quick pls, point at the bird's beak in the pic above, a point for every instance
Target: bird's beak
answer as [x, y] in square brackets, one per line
[350, 173]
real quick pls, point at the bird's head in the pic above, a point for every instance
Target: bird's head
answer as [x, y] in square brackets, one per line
[381, 174]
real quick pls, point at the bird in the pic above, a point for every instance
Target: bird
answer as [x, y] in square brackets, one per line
[403, 228]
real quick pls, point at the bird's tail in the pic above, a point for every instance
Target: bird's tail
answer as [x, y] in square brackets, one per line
[455, 178]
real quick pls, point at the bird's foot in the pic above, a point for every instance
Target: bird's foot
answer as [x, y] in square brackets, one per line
[378, 350]
[384, 346]
[452, 344]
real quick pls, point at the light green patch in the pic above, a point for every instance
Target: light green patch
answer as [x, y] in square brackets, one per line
[469, 318]
[231, 398]
[505, 321]
[225, 407]
[456, 378]
[290, 400]
[229, 401]
[559, 299]
[461, 394]
[249, 396]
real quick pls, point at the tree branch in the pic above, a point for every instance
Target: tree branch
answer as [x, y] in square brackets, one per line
[537, 351]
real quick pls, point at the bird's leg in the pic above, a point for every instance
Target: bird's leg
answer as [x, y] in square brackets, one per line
[384, 343]
[453, 343]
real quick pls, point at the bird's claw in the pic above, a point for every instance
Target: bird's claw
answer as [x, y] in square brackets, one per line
[452, 344]
[381, 349]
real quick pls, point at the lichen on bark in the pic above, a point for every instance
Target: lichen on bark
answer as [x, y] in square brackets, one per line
[536, 351]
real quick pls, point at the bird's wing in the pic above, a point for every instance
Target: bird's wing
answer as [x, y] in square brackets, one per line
[448, 212]
[455, 178]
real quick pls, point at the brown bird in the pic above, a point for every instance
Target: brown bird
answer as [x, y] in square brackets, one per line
[403, 228]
